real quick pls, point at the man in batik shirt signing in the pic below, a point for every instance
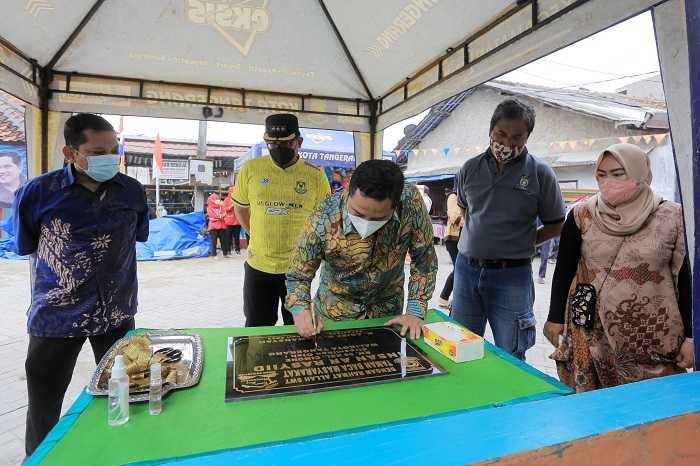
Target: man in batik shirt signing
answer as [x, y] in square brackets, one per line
[360, 237]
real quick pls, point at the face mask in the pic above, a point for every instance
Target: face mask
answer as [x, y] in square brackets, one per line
[282, 155]
[505, 153]
[102, 167]
[615, 192]
[366, 227]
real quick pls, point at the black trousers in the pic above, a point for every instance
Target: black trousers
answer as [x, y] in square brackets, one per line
[263, 293]
[49, 366]
[451, 247]
[222, 235]
[234, 232]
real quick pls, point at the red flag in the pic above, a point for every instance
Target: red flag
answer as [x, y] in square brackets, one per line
[158, 154]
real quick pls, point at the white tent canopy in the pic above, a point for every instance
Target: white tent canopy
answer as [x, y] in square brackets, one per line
[358, 65]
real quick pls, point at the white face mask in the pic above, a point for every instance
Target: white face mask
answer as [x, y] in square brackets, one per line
[504, 153]
[366, 227]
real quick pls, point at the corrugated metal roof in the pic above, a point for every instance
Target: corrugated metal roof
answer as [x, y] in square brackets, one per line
[184, 148]
[11, 119]
[432, 120]
[139, 151]
[622, 109]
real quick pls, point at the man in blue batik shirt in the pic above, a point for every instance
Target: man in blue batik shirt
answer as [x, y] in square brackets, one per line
[80, 224]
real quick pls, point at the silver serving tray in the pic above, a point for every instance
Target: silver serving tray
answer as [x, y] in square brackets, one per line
[192, 356]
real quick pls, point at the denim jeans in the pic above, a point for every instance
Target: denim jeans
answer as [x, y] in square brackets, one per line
[545, 251]
[503, 297]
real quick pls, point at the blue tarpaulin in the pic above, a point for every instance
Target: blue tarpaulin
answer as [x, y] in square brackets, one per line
[7, 240]
[175, 237]
[6, 249]
[170, 237]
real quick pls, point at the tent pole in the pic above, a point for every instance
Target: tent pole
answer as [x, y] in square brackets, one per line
[199, 200]
[74, 34]
[342, 43]
[692, 12]
[44, 97]
[46, 76]
[372, 129]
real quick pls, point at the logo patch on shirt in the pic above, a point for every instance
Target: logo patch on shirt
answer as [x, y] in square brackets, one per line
[265, 181]
[300, 187]
[524, 181]
[277, 211]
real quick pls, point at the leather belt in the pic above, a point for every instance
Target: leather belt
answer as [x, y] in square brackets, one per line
[498, 263]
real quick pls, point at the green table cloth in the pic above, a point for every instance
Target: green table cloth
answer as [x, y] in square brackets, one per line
[198, 420]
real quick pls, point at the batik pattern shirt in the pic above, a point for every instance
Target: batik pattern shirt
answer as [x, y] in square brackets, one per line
[363, 278]
[83, 247]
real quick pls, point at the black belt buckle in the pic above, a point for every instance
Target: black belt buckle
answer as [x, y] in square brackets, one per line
[497, 263]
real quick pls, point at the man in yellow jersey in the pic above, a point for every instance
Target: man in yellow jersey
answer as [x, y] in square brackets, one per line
[274, 196]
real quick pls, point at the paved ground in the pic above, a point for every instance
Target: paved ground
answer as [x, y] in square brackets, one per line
[175, 294]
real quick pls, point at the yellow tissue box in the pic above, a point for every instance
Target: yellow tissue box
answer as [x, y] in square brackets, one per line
[454, 341]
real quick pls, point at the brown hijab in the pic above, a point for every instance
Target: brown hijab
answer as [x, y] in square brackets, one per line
[626, 219]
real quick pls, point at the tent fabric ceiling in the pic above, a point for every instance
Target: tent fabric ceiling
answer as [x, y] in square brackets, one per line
[256, 44]
[398, 37]
[357, 66]
[216, 54]
[560, 23]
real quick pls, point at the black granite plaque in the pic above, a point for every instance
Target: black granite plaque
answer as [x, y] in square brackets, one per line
[261, 366]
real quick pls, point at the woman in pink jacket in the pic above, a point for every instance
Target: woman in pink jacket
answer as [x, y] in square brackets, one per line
[233, 226]
[217, 225]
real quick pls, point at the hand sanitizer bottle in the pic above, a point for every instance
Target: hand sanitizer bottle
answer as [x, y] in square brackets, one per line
[118, 403]
[155, 404]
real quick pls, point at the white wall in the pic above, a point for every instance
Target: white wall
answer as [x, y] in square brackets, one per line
[646, 88]
[468, 126]
[583, 174]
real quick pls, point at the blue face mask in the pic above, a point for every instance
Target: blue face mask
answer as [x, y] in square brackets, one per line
[103, 167]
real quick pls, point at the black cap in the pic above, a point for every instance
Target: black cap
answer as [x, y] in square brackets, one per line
[281, 127]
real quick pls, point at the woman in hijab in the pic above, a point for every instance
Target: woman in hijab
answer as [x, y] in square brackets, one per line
[620, 308]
